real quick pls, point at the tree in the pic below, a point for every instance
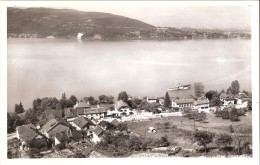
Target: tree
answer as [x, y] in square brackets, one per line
[73, 99]
[91, 100]
[215, 101]
[37, 105]
[201, 116]
[211, 94]
[225, 114]
[123, 96]
[249, 105]
[167, 101]
[224, 140]
[203, 138]
[63, 96]
[19, 108]
[64, 103]
[49, 103]
[198, 89]
[102, 98]
[235, 87]
[229, 90]
[234, 115]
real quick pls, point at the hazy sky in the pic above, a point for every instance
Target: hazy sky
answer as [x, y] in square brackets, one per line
[165, 13]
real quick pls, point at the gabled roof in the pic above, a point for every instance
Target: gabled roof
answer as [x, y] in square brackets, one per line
[62, 137]
[43, 121]
[115, 122]
[71, 115]
[200, 102]
[227, 96]
[119, 104]
[26, 133]
[51, 113]
[82, 121]
[96, 110]
[50, 124]
[241, 96]
[181, 94]
[82, 105]
[184, 101]
[97, 131]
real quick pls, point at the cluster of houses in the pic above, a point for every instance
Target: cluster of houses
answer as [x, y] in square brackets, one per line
[73, 124]
[184, 99]
[61, 126]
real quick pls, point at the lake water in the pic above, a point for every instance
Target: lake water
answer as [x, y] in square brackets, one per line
[49, 67]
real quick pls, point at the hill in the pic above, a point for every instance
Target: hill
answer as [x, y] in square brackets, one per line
[67, 23]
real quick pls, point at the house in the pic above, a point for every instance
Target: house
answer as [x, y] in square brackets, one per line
[82, 105]
[183, 103]
[93, 112]
[82, 123]
[61, 138]
[181, 98]
[120, 109]
[152, 99]
[52, 114]
[52, 127]
[26, 134]
[70, 114]
[227, 99]
[115, 122]
[202, 104]
[96, 135]
[241, 100]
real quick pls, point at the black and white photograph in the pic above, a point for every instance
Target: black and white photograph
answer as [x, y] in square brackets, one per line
[131, 80]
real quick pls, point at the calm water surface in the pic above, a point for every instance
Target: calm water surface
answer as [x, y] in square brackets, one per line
[46, 67]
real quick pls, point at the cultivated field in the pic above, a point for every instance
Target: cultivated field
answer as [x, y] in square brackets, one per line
[180, 130]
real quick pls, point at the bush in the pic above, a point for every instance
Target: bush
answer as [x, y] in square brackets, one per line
[234, 115]
[163, 142]
[203, 138]
[224, 140]
[231, 129]
[225, 114]
[241, 111]
[218, 113]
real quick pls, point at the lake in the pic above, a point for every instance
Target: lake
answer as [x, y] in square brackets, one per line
[48, 67]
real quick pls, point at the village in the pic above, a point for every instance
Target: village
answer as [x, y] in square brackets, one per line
[87, 129]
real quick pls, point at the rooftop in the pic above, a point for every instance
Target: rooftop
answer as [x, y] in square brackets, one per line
[26, 133]
[119, 104]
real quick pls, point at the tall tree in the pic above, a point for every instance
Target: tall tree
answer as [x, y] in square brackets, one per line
[123, 96]
[63, 96]
[73, 99]
[19, 108]
[235, 87]
[167, 101]
[198, 89]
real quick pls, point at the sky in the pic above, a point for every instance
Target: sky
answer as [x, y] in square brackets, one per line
[166, 14]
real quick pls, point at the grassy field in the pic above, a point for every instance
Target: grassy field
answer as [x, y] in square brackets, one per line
[181, 129]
